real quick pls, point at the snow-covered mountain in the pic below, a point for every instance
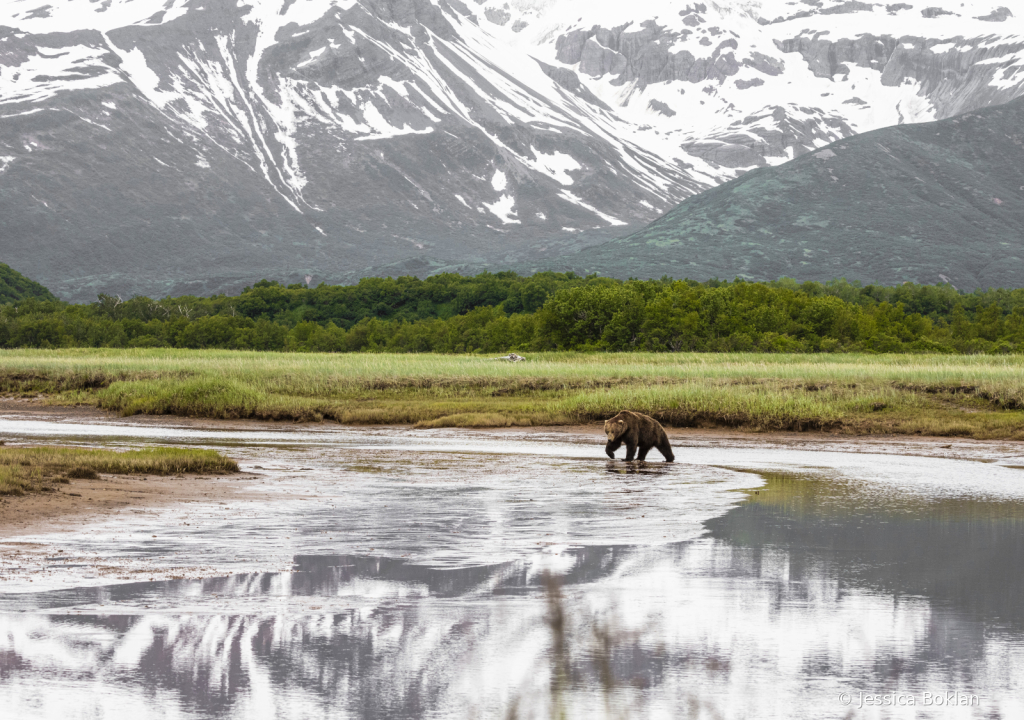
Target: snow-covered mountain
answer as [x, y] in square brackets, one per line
[158, 145]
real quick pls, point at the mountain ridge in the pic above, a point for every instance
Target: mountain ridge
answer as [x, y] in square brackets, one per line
[165, 146]
[927, 203]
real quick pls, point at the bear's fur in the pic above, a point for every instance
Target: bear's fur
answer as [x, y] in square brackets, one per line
[636, 431]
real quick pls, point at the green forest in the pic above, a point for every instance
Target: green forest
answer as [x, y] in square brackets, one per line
[500, 312]
[15, 287]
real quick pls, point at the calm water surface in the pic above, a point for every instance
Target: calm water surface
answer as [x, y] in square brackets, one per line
[389, 573]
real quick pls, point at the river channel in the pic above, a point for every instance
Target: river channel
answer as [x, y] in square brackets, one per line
[397, 573]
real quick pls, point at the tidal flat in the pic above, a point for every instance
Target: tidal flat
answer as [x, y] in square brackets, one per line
[399, 572]
[979, 396]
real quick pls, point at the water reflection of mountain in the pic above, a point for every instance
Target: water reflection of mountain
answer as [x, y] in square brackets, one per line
[582, 565]
[402, 648]
[332, 575]
[964, 555]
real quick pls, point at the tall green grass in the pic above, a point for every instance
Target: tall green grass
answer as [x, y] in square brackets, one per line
[318, 372]
[938, 394]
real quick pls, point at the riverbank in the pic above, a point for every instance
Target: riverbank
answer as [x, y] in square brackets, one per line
[41, 484]
[81, 501]
[45, 468]
[946, 396]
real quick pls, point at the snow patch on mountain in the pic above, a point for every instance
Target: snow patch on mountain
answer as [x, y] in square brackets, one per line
[504, 210]
[499, 182]
[556, 165]
[66, 16]
[48, 71]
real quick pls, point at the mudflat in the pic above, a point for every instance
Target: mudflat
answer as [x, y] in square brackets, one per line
[81, 501]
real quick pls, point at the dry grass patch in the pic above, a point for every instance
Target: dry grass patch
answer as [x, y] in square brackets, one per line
[42, 468]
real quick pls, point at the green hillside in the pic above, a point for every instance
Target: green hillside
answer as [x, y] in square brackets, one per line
[15, 287]
[924, 203]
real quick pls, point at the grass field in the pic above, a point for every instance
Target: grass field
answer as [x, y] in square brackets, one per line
[973, 396]
[40, 468]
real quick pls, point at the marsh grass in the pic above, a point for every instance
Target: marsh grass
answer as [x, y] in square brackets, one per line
[973, 396]
[40, 468]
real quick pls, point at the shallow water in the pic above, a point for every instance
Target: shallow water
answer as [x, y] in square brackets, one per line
[389, 573]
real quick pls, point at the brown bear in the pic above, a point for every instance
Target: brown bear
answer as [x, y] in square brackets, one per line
[637, 431]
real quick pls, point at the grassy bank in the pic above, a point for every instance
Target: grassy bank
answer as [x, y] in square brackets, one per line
[974, 396]
[40, 468]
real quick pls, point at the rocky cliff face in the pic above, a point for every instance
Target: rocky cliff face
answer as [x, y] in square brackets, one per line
[170, 145]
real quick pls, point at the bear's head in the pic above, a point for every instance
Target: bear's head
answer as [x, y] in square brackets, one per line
[614, 428]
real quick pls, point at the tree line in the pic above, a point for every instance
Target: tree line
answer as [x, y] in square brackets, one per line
[499, 312]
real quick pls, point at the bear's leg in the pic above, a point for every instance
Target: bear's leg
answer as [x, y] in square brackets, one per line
[611, 447]
[630, 451]
[665, 449]
[644, 449]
